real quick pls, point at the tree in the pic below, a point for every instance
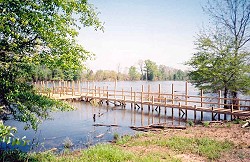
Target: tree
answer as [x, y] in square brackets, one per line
[151, 70]
[233, 16]
[222, 60]
[133, 73]
[217, 68]
[179, 75]
[38, 33]
[163, 72]
[141, 64]
[57, 74]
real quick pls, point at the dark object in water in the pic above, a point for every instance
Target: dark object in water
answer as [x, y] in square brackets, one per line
[94, 117]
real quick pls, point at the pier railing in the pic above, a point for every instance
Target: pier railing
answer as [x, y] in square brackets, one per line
[84, 91]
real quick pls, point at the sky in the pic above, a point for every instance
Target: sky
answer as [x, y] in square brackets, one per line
[163, 31]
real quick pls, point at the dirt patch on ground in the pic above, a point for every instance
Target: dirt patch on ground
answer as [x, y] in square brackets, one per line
[227, 131]
[163, 152]
[240, 137]
[232, 132]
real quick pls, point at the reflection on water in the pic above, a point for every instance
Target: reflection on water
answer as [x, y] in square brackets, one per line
[78, 126]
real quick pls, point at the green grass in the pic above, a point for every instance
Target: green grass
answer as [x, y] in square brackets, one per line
[206, 124]
[106, 153]
[238, 121]
[116, 136]
[190, 123]
[101, 152]
[205, 147]
[123, 140]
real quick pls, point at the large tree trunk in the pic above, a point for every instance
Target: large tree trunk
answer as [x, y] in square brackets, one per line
[235, 101]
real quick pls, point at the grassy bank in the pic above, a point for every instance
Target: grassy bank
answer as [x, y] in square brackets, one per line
[130, 148]
[101, 152]
[192, 144]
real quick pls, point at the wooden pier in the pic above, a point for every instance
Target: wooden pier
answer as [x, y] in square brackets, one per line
[83, 91]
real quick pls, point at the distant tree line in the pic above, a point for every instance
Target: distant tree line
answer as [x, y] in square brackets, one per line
[144, 70]
[40, 73]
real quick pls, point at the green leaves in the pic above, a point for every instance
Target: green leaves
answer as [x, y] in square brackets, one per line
[38, 34]
[217, 67]
[7, 136]
[151, 70]
[55, 23]
[133, 73]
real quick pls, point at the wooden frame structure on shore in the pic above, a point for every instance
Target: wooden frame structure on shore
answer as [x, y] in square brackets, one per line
[64, 90]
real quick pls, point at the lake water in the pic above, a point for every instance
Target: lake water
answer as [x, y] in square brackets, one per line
[78, 125]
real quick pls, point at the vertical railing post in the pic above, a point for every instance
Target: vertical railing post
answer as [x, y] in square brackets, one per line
[107, 98]
[172, 101]
[186, 98]
[63, 88]
[201, 95]
[87, 88]
[142, 90]
[95, 90]
[134, 99]
[103, 91]
[159, 92]
[149, 92]
[79, 87]
[99, 91]
[115, 89]
[53, 88]
[67, 87]
[44, 89]
[142, 100]
[195, 113]
[219, 102]
[122, 93]
[131, 96]
[232, 109]
[73, 87]
[212, 113]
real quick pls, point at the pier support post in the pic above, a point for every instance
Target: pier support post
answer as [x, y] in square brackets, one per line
[179, 112]
[201, 104]
[195, 113]
[172, 101]
[186, 98]
[212, 113]
[219, 103]
[107, 98]
[152, 103]
[232, 109]
[142, 89]
[134, 100]
[131, 95]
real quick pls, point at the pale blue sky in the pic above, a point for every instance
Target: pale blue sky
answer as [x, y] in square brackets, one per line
[160, 30]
